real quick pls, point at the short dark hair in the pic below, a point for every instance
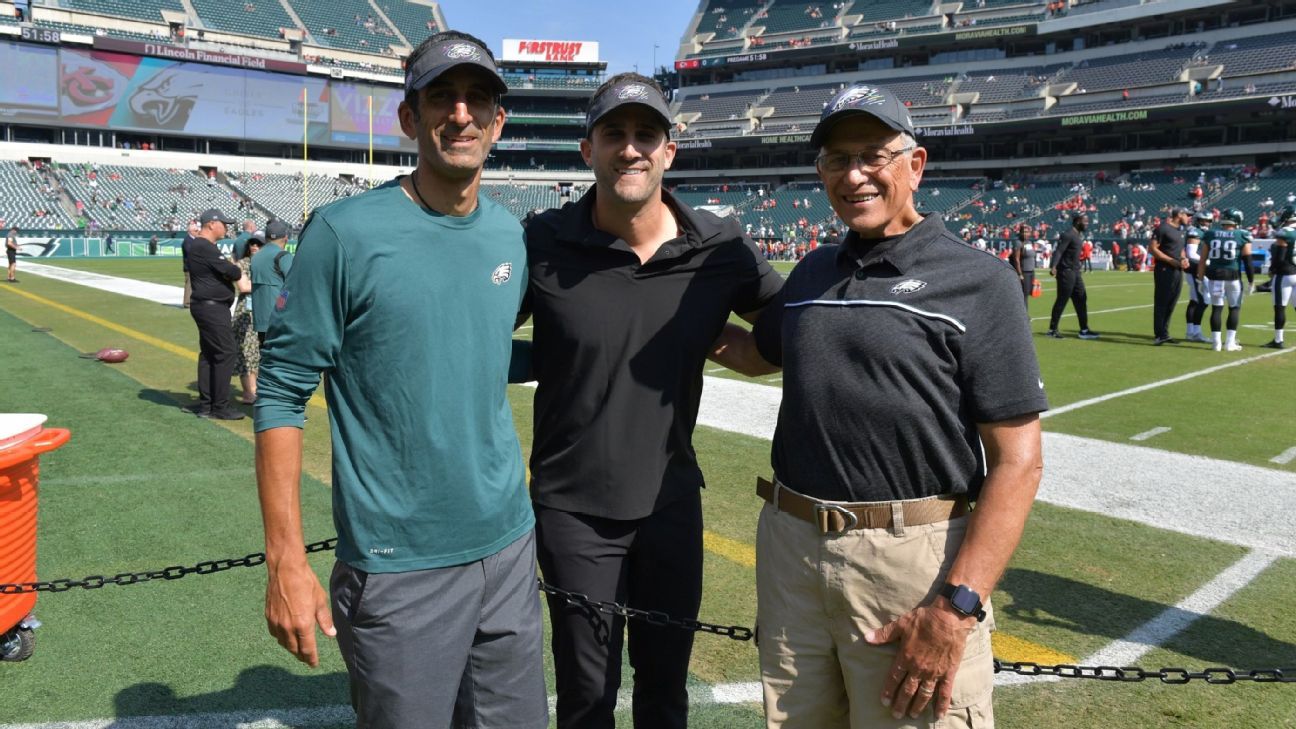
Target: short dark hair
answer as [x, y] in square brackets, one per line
[411, 97]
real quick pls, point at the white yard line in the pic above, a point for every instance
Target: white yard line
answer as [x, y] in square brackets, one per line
[1285, 457]
[714, 370]
[1150, 433]
[1160, 383]
[1071, 313]
[160, 293]
[1173, 621]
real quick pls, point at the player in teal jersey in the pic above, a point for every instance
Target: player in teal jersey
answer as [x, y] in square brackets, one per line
[1283, 267]
[1196, 304]
[1225, 254]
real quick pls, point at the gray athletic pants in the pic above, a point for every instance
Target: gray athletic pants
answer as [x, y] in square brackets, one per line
[455, 646]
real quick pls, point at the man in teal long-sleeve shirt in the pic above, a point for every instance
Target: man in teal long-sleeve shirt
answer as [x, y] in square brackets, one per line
[406, 296]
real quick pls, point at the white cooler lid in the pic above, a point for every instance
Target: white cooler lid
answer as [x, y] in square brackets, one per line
[18, 428]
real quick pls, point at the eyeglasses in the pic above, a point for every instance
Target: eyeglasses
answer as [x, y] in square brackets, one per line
[872, 159]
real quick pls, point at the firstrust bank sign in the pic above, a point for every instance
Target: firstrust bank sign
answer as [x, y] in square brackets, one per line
[550, 51]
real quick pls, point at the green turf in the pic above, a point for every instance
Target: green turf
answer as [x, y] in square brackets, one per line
[144, 486]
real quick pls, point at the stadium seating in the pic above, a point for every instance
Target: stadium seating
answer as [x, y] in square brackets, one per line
[789, 17]
[261, 18]
[1007, 84]
[982, 22]
[282, 195]
[520, 200]
[1254, 55]
[411, 19]
[720, 107]
[726, 18]
[22, 193]
[1075, 105]
[873, 11]
[335, 24]
[945, 195]
[800, 100]
[1248, 194]
[118, 197]
[150, 10]
[1129, 70]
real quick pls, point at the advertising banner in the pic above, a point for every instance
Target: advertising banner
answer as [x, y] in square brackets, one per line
[548, 51]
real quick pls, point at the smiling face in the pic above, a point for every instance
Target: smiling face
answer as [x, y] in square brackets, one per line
[874, 203]
[457, 120]
[629, 153]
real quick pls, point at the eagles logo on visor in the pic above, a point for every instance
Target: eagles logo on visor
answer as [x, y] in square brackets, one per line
[636, 91]
[860, 96]
[462, 52]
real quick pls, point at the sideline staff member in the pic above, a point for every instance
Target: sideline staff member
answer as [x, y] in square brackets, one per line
[1167, 250]
[406, 296]
[904, 353]
[629, 289]
[1024, 260]
[270, 266]
[1065, 267]
[213, 294]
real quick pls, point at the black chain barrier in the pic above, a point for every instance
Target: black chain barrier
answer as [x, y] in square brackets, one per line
[1121, 674]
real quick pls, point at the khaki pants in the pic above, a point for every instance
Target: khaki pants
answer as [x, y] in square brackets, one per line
[817, 595]
[188, 291]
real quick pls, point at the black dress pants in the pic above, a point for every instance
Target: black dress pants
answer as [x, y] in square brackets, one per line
[1167, 283]
[1070, 287]
[654, 563]
[217, 352]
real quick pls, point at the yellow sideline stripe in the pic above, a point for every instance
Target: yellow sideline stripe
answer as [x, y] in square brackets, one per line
[731, 549]
[1010, 648]
[148, 339]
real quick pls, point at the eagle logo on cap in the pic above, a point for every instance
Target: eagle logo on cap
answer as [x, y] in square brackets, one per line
[463, 51]
[859, 96]
[635, 91]
[909, 287]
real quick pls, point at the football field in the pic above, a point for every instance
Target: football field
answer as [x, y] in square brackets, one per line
[1165, 534]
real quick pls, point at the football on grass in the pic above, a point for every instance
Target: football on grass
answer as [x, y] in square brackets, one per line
[112, 355]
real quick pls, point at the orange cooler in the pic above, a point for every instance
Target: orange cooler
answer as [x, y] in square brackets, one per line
[23, 438]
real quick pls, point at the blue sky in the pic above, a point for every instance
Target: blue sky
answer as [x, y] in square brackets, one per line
[625, 31]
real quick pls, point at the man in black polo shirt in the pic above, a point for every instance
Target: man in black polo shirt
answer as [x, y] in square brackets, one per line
[629, 289]
[212, 278]
[910, 388]
[1167, 249]
[1065, 267]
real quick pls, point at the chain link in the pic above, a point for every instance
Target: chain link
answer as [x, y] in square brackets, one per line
[1134, 674]
[175, 572]
[652, 617]
[1122, 674]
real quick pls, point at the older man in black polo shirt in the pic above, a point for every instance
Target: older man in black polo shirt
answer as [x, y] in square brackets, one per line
[212, 277]
[629, 289]
[910, 389]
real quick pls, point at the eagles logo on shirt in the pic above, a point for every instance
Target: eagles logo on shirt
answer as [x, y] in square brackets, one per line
[908, 287]
[502, 274]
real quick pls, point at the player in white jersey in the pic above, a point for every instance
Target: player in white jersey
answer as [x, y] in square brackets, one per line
[1196, 305]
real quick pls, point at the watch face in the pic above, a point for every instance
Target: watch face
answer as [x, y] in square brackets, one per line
[965, 601]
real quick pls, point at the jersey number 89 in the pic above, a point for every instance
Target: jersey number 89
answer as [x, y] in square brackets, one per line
[1223, 249]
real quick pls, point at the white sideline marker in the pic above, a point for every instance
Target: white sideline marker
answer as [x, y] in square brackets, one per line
[1175, 620]
[714, 370]
[1101, 311]
[1285, 457]
[1171, 622]
[1150, 433]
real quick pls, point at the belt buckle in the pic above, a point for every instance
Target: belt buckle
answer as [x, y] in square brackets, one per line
[821, 510]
